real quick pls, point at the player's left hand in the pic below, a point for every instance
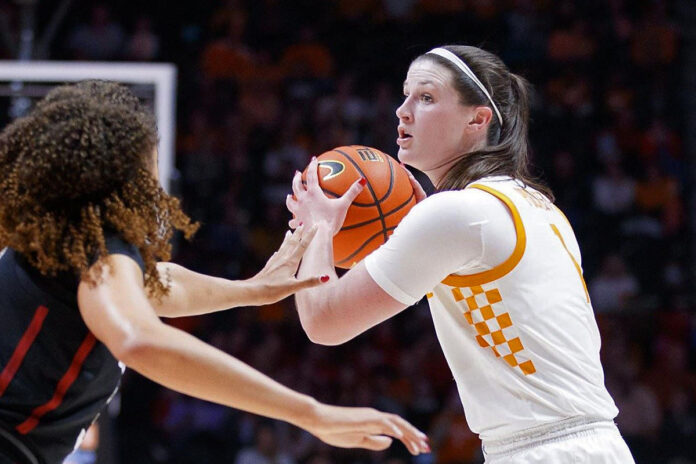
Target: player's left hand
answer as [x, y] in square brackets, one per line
[277, 278]
[310, 206]
[417, 187]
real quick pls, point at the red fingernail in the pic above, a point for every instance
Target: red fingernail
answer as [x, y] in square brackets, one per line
[324, 278]
[362, 181]
[301, 223]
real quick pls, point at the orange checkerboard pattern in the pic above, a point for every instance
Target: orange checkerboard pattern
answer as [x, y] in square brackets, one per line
[485, 312]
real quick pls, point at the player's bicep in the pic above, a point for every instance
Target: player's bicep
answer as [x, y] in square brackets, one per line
[371, 298]
[116, 309]
[439, 236]
[356, 304]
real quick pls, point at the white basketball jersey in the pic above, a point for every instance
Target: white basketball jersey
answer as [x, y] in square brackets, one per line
[521, 338]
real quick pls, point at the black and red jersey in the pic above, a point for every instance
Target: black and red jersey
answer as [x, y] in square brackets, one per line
[55, 377]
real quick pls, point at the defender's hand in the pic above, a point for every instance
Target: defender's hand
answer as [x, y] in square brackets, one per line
[277, 278]
[364, 428]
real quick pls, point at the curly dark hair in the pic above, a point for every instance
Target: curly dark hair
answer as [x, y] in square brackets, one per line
[104, 91]
[78, 166]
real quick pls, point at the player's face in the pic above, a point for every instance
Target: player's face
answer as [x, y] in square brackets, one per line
[432, 120]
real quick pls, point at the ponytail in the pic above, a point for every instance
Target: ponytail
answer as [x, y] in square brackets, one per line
[507, 150]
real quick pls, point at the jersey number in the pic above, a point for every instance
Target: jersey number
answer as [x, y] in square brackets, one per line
[572, 258]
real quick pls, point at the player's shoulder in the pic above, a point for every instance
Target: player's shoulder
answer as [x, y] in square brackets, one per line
[454, 210]
[467, 200]
[117, 245]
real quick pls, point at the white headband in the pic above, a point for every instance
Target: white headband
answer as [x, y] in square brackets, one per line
[455, 60]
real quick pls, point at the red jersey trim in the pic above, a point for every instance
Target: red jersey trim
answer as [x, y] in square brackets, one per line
[63, 385]
[23, 346]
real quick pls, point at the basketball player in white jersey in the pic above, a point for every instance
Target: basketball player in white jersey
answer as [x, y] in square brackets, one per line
[498, 262]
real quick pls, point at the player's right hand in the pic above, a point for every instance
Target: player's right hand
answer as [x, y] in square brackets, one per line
[310, 205]
[364, 428]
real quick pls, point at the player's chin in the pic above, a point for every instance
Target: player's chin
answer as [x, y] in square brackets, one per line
[408, 156]
[404, 155]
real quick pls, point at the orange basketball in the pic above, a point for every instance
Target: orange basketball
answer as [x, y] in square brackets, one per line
[379, 208]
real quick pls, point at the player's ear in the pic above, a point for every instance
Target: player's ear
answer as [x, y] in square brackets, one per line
[480, 117]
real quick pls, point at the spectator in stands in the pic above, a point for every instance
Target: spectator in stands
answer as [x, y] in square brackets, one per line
[265, 450]
[143, 44]
[100, 39]
[614, 287]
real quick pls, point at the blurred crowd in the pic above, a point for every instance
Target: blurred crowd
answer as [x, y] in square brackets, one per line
[266, 84]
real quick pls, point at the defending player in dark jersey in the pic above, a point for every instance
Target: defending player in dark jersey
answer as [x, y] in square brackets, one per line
[84, 279]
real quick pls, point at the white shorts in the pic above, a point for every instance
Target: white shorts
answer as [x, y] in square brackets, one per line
[567, 442]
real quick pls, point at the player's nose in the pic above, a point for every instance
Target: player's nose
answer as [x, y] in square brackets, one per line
[403, 112]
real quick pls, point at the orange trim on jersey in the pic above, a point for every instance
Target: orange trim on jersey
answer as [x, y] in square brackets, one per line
[563, 215]
[509, 264]
[577, 266]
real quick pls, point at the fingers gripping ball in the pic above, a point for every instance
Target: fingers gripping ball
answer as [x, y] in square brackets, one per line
[375, 213]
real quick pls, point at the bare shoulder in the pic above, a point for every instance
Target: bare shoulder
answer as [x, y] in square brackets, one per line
[114, 304]
[112, 268]
[115, 277]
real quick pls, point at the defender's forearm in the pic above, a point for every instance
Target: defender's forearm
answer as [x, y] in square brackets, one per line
[191, 293]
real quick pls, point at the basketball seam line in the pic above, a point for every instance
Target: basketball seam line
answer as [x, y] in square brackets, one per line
[388, 213]
[337, 195]
[372, 192]
[348, 258]
[392, 181]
